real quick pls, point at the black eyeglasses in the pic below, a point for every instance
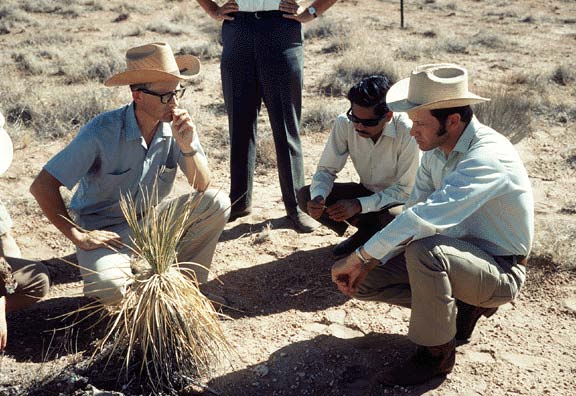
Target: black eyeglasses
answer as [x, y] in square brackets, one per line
[165, 97]
[368, 122]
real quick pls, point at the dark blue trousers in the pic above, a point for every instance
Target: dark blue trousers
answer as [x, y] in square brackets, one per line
[263, 59]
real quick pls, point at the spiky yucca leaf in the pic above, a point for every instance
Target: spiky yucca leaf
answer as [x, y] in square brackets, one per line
[164, 319]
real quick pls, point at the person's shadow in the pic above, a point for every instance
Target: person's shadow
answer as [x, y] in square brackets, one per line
[300, 281]
[325, 365]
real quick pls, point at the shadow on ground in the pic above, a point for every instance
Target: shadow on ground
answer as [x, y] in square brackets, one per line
[300, 281]
[324, 366]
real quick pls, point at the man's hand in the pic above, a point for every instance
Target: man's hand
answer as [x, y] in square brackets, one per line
[222, 12]
[295, 12]
[316, 207]
[344, 209]
[96, 239]
[183, 129]
[348, 273]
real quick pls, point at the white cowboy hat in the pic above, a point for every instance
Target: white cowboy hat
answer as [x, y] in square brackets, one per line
[155, 63]
[6, 149]
[435, 86]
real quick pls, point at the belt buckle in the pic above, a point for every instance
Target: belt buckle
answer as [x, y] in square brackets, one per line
[257, 16]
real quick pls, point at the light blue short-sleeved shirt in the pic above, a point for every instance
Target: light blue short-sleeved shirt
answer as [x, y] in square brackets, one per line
[480, 193]
[109, 158]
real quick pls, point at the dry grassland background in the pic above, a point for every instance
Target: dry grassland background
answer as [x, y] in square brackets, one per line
[294, 333]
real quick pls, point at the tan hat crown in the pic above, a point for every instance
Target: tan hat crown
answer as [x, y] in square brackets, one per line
[155, 63]
[432, 86]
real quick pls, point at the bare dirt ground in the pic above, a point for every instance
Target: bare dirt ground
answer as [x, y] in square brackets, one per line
[294, 333]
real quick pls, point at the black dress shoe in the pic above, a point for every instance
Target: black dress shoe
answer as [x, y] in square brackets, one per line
[302, 222]
[236, 213]
[347, 246]
[467, 317]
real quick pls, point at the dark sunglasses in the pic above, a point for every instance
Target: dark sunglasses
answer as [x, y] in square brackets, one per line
[165, 98]
[368, 122]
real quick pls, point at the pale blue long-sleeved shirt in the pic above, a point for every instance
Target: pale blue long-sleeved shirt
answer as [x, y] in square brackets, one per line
[386, 167]
[479, 193]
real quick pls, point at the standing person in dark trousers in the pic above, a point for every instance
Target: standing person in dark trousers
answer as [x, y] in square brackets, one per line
[384, 155]
[263, 59]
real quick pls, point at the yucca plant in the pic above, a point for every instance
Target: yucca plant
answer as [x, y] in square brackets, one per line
[164, 323]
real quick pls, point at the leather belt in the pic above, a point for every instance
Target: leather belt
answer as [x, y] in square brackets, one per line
[259, 14]
[516, 259]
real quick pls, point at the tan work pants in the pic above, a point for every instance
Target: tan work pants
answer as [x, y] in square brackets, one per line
[435, 271]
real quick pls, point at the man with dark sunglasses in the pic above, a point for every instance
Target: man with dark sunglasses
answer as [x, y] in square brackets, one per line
[134, 151]
[384, 155]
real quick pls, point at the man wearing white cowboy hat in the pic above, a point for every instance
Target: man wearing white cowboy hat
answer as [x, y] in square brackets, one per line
[129, 151]
[22, 282]
[464, 235]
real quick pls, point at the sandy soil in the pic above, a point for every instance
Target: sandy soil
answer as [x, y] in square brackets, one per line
[294, 333]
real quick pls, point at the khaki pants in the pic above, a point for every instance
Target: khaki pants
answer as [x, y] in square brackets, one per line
[435, 271]
[32, 279]
[106, 272]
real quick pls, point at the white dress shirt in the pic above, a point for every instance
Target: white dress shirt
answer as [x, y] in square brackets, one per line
[257, 5]
[479, 193]
[387, 167]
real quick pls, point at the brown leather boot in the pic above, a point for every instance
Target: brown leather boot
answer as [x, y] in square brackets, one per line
[427, 363]
[467, 317]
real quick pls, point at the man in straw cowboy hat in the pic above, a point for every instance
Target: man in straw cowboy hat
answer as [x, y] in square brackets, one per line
[263, 60]
[464, 235]
[131, 150]
[22, 282]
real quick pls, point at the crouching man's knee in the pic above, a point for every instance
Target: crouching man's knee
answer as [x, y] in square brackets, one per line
[108, 289]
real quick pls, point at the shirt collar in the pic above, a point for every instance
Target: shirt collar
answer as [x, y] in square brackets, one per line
[465, 141]
[133, 130]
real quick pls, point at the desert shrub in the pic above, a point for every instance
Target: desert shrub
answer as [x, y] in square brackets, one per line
[165, 28]
[452, 45]
[52, 115]
[325, 28]
[488, 40]
[354, 66]
[265, 154]
[563, 75]
[48, 39]
[203, 50]
[98, 64]
[319, 116]
[65, 8]
[414, 52]
[557, 241]
[28, 63]
[506, 112]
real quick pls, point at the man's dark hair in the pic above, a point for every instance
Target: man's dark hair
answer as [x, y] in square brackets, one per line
[442, 114]
[371, 92]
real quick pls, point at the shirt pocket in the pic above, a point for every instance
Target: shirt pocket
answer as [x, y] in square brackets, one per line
[166, 177]
[114, 185]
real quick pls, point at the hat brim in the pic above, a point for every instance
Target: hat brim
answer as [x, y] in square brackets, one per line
[188, 65]
[397, 99]
[6, 151]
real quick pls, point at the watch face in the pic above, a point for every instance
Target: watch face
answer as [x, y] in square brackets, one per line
[312, 10]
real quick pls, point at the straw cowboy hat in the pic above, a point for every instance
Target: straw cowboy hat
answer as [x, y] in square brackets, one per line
[155, 63]
[5, 148]
[435, 86]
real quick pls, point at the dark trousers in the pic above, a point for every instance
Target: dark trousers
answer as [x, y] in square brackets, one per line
[369, 223]
[263, 59]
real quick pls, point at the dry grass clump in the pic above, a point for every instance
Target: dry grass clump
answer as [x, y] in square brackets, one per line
[356, 64]
[489, 40]
[265, 154]
[164, 324]
[98, 64]
[319, 116]
[162, 27]
[55, 114]
[506, 112]
[28, 63]
[203, 50]
[563, 75]
[325, 28]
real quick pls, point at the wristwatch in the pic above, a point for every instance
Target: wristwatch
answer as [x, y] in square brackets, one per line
[363, 259]
[312, 11]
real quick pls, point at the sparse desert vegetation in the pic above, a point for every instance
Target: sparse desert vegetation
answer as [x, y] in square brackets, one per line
[295, 334]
